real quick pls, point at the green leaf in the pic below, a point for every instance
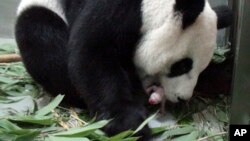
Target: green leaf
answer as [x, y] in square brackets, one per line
[12, 132]
[29, 136]
[18, 104]
[7, 137]
[131, 139]
[22, 132]
[222, 116]
[190, 137]
[7, 100]
[178, 131]
[7, 46]
[220, 54]
[98, 136]
[47, 109]
[158, 130]
[122, 135]
[52, 129]
[145, 123]
[40, 120]
[84, 131]
[7, 125]
[214, 137]
[53, 138]
[7, 80]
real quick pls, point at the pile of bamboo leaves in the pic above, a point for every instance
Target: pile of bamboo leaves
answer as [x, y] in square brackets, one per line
[23, 117]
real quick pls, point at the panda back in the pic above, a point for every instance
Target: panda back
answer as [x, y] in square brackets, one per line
[53, 5]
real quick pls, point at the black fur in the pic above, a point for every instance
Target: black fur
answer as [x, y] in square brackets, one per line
[100, 39]
[42, 36]
[190, 10]
[72, 9]
[225, 16]
[181, 67]
[101, 44]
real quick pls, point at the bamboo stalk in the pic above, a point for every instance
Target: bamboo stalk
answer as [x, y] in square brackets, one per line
[9, 58]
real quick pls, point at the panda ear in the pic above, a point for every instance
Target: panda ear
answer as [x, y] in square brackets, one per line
[225, 16]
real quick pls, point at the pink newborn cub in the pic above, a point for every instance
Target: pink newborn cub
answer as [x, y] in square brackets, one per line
[156, 94]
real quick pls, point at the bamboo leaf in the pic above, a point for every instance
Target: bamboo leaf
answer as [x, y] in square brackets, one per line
[158, 130]
[7, 125]
[190, 137]
[7, 48]
[145, 123]
[7, 80]
[7, 137]
[177, 132]
[53, 138]
[84, 131]
[122, 135]
[47, 109]
[40, 120]
[131, 139]
[29, 136]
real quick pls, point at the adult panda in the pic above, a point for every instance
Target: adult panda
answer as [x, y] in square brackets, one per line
[92, 50]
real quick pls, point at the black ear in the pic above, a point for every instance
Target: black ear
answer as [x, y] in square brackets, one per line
[225, 16]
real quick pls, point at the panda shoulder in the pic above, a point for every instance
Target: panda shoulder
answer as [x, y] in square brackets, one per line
[55, 6]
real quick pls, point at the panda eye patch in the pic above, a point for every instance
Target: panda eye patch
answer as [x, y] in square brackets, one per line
[181, 67]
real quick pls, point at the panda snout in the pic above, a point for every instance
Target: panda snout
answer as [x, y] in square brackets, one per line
[181, 100]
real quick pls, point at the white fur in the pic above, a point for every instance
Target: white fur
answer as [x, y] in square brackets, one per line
[160, 32]
[53, 5]
[166, 120]
[164, 42]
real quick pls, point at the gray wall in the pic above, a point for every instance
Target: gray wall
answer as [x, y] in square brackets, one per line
[7, 17]
[221, 38]
[218, 2]
[240, 113]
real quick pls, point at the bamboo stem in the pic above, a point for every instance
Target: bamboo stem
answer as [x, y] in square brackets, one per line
[9, 58]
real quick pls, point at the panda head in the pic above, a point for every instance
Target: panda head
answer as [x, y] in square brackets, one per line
[179, 38]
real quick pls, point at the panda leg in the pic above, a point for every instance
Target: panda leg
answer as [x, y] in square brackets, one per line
[42, 36]
[106, 87]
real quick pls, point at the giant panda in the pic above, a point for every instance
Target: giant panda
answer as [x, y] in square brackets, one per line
[105, 53]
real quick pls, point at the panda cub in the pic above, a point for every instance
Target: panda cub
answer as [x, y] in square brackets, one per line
[107, 54]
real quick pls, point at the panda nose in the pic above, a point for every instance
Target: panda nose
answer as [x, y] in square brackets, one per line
[181, 100]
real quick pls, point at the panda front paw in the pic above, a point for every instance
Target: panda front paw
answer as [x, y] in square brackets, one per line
[128, 120]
